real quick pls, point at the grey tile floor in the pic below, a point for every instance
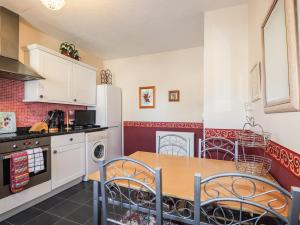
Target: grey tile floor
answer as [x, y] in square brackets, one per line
[70, 207]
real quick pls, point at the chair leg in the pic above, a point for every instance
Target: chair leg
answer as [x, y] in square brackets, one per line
[96, 203]
[294, 208]
[197, 199]
[159, 207]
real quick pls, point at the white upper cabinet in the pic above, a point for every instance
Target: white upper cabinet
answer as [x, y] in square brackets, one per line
[57, 85]
[84, 80]
[66, 81]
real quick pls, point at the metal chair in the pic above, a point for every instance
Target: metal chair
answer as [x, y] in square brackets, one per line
[173, 144]
[220, 199]
[130, 191]
[218, 148]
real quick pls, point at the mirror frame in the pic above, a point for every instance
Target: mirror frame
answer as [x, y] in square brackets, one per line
[292, 102]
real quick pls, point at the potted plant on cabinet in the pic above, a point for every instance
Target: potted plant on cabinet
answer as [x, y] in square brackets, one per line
[69, 50]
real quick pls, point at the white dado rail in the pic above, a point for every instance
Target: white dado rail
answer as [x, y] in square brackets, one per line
[175, 143]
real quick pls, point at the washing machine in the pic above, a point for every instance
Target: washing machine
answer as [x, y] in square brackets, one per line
[96, 150]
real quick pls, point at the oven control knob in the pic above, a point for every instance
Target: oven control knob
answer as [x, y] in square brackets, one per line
[14, 146]
[37, 142]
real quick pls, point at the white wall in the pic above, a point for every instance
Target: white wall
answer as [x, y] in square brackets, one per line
[284, 126]
[175, 70]
[225, 67]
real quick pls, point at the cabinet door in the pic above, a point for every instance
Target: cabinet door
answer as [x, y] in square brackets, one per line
[57, 85]
[68, 163]
[84, 85]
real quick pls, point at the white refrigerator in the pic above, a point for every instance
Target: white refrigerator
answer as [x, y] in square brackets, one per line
[109, 114]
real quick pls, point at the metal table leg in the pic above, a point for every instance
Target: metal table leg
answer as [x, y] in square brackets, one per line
[96, 203]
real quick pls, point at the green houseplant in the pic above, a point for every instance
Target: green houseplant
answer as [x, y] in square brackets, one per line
[64, 48]
[75, 54]
[70, 50]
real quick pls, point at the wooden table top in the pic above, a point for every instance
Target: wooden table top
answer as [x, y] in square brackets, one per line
[178, 176]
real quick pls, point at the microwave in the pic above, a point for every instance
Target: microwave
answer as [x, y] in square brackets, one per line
[84, 117]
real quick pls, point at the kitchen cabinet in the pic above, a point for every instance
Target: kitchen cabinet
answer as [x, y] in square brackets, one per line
[67, 81]
[83, 91]
[56, 87]
[68, 158]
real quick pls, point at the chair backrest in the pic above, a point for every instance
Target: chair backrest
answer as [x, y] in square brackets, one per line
[218, 148]
[173, 144]
[226, 199]
[130, 192]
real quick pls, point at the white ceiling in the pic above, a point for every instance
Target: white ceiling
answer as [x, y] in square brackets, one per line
[122, 28]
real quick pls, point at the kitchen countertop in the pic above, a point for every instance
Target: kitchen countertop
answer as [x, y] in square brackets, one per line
[23, 134]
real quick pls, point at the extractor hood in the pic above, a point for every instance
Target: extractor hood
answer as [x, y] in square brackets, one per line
[10, 67]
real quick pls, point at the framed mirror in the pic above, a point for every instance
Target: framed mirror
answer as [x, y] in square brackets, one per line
[280, 58]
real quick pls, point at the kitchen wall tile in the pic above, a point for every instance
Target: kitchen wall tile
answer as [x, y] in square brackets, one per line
[11, 100]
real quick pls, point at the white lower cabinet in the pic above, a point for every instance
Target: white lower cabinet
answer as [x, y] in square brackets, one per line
[68, 158]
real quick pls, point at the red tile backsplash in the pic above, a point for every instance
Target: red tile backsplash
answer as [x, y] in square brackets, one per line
[11, 100]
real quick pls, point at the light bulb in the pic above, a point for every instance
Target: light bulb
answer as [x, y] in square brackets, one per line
[54, 4]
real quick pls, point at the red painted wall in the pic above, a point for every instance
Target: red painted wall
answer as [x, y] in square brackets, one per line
[285, 162]
[141, 136]
[11, 100]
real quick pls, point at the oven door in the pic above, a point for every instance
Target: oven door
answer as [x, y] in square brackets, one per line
[35, 178]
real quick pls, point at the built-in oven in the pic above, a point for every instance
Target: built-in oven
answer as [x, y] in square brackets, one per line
[7, 148]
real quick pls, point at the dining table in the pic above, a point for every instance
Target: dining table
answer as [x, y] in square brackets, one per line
[178, 173]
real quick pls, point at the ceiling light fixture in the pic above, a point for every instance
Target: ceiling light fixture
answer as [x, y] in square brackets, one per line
[54, 4]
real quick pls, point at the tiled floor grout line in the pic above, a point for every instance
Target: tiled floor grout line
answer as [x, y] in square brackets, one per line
[67, 214]
[60, 217]
[67, 220]
[67, 199]
[82, 204]
[35, 216]
[63, 201]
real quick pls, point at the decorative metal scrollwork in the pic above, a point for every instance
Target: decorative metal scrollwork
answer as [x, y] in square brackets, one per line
[218, 148]
[130, 191]
[173, 144]
[106, 77]
[222, 215]
[242, 199]
[179, 208]
[225, 199]
[129, 169]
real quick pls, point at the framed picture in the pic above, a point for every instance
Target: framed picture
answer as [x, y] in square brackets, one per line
[255, 83]
[174, 96]
[147, 97]
[280, 61]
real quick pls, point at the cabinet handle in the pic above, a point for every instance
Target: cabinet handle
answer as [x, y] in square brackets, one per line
[41, 96]
[71, 139]
[55, 152]
[75, 100]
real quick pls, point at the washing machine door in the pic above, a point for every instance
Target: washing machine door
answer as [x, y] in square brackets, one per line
[98, 152]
